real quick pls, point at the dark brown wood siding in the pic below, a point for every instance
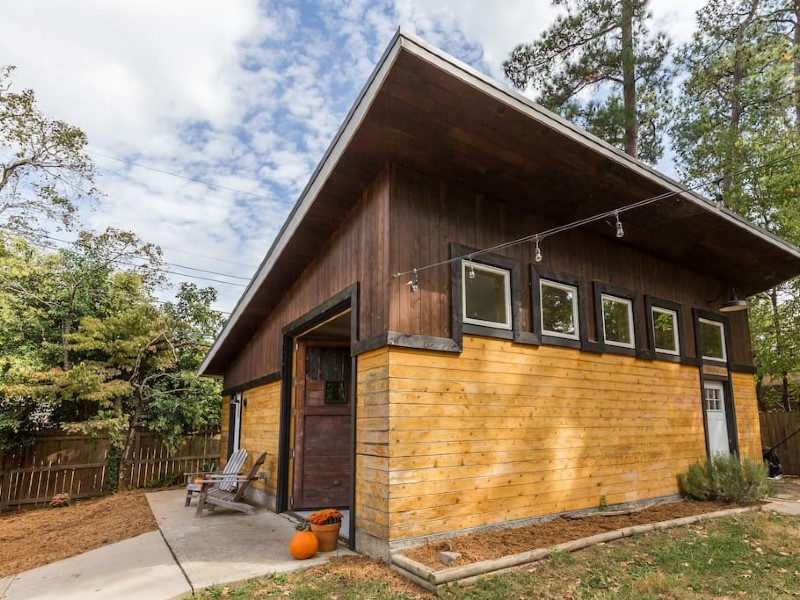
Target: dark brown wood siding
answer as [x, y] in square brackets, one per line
[427, 213]
[357, 252]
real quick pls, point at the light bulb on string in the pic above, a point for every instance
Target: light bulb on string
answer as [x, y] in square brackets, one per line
[538, 252]
[471, 269]
[414, 283]
[620, 230]
[718, 194]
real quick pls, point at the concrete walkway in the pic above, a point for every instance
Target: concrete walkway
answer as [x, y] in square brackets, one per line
[185, 556]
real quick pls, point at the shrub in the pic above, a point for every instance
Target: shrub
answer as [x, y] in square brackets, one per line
[725, 478]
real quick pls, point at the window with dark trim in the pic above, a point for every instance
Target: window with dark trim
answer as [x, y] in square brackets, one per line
[489, 303]
[664, 320]
[486, 295]
[712, 339]
[557, 308]
[617, 321]
[616, 318]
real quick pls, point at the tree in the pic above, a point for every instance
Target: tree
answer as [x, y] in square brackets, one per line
[736, 121]
[602, 47]
[129, 362]
[44, 170]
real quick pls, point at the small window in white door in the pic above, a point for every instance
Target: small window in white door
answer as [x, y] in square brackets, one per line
[713, 399]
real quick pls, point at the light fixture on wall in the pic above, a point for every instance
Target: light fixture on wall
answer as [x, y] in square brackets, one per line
[733, 304]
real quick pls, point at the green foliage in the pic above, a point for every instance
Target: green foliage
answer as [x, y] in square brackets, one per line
[164, 480]
[603, 505]
[602, 47]
[43, 164]
[725, 478]
[112, 467]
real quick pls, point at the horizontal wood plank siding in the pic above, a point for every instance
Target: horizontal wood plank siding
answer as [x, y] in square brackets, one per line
[507, 431]
[372, 452]
[430, 212]
[260, 429]
[747, 422]
[356, 252]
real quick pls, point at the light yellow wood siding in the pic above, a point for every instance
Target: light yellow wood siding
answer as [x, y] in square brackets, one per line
[372, 436]
[260, 428]
[505, 431]
[747, 423]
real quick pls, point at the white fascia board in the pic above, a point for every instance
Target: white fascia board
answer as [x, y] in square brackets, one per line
[307, 198]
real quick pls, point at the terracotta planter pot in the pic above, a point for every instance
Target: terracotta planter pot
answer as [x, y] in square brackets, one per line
[198, 480]
[327, 536]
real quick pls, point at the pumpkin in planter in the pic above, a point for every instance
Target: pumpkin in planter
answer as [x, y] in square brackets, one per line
[304, 544]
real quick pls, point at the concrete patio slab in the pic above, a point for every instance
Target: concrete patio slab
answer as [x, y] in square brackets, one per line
[140, 567]
[226, 546]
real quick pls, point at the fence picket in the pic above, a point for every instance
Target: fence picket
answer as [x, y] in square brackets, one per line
[75, 465]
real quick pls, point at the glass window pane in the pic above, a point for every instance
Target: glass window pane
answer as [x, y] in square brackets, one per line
[485, 296]
[617, 321]
[712, 339]
[558, 309]
[664, 330]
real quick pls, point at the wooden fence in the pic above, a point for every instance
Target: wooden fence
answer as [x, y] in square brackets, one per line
[775, 426]
[77, 465]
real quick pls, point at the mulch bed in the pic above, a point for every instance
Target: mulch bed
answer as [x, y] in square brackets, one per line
[32, 538]
[496, 543]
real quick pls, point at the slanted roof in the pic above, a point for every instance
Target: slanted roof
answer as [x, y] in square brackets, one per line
[425, 109]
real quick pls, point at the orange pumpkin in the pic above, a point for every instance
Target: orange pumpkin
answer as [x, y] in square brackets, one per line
[303, 545]
[198, 480]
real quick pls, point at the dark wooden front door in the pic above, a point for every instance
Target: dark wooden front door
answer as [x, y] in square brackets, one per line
[322, 426]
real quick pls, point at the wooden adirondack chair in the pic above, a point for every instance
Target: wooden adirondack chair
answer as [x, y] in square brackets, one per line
[213, 496]
[225, 479]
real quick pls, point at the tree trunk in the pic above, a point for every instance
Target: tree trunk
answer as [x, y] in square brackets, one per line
[796, 56]
[66, 330]
[776, 324]
[629, 79]
[126, 448]
[734, 126]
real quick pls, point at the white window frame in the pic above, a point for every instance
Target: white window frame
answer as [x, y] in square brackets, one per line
[721, 327]
[465, 268]
[676, 337]
[627, 302]
[575, 317]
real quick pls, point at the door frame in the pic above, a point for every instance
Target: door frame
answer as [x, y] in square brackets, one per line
[337, 304]
[730, 412]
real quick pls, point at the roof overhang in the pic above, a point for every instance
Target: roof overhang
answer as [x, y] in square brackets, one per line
[426, 110]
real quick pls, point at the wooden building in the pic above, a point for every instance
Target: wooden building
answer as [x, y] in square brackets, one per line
[490, 387]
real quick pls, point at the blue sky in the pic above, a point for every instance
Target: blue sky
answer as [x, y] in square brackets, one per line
[245, 94]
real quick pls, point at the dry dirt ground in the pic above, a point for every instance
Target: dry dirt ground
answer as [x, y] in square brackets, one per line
[35, 537]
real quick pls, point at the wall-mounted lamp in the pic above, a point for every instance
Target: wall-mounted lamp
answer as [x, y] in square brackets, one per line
[732, 305]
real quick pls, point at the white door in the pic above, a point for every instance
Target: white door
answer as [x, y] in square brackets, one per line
[714, 404]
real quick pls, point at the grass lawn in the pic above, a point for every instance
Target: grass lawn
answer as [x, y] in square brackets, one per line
[756, 555]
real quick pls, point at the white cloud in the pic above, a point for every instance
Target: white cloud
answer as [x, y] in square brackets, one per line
[245, 94]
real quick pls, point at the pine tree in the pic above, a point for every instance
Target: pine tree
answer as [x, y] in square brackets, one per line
[604, 48]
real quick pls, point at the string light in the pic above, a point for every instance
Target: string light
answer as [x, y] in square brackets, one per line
[414, 283]
[536, 237]
[620, 231]
[471, 269]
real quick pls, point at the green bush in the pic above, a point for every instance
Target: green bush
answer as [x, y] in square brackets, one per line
[727, 479]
